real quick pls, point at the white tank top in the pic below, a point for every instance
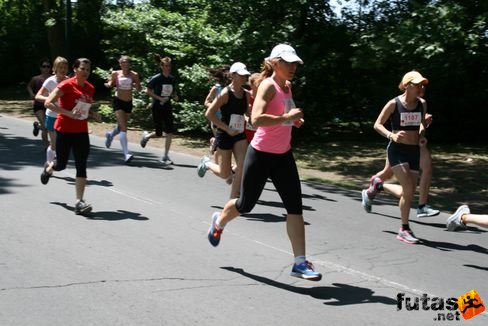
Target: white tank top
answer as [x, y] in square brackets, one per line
[124, 83]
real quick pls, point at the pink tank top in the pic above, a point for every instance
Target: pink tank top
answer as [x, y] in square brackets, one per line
[275, 139]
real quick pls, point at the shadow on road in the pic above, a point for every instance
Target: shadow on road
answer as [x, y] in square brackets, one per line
[280, 204]
[442, 225]
[307, 196]
[339, 294]
[454, 246]
[477, 267]
[71, 181]
[107, 215]
[117, 216]
[447, 246]
[268, 218]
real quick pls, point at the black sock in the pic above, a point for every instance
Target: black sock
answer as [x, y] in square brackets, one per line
[421, 206]
[405, 227]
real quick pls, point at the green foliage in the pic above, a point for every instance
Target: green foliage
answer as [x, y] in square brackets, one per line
[194, 87]
[107, 113]
[191, 117]
[22, 39]
[141, 114]
[187, 39]
[353, 63]
[102, 73]
[445, 40]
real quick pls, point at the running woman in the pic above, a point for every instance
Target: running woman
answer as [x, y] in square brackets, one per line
[33, 87]
[60, 68]
[221, 76]
[72, 99]
[124, 81]
[233, 103]
[270, 156]
[407, 116]
[376, 181]
[162, 88]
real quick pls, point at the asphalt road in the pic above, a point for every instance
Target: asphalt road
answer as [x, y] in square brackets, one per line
[143, 257]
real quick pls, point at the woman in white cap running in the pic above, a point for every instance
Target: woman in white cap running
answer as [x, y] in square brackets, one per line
[270, 156]
[233, 104]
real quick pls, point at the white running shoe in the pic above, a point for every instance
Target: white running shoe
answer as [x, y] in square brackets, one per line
[454, 222]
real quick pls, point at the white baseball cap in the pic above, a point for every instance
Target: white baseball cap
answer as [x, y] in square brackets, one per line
[285, 52]
[239, 68]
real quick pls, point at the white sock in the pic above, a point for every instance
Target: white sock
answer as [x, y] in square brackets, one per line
[123, 142]
[299, 260]
[50, 154]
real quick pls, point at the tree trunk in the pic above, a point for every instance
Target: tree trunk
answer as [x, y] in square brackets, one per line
[54, 26]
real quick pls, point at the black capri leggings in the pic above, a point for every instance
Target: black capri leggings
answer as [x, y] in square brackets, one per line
[281, 169]
[80, 144]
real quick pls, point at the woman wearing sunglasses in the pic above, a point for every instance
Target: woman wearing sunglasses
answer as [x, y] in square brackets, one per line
[33, 87]
[406, 114]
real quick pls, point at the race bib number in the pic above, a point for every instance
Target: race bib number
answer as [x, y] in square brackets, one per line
[410, 119]
[289, 104]
[237, 122]
[167, 90]
[125, 83]
[83, 109]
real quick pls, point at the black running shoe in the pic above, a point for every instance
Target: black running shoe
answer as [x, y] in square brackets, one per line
[45, 177]
[35, 131]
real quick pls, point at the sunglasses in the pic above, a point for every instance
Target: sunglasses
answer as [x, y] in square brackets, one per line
[416, 85]
[45, 66]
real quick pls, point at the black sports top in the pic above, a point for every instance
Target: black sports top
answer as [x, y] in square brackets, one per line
[233, 106]
[162, 86]
[403, 119]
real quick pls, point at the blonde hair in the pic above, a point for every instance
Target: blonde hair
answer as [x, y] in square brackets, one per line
[266, 69]
[253, 79]
[59, 61]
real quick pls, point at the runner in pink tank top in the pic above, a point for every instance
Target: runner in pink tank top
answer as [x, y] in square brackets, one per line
[276, 138]
[270, 156]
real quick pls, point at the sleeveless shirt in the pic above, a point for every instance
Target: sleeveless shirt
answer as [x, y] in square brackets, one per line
[403, 119]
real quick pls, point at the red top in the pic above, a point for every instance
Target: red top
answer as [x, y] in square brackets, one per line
[72, 94]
